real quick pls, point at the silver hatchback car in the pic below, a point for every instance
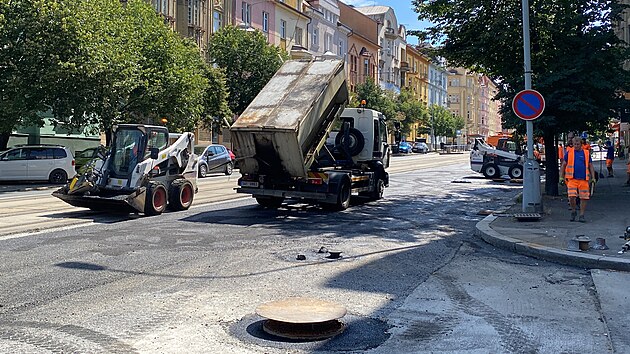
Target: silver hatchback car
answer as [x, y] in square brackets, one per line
[53, 163]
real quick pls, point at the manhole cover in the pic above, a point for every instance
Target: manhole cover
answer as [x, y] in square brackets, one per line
[302, 318]
[301, 310]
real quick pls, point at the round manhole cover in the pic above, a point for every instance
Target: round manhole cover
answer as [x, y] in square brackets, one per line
[301, 310]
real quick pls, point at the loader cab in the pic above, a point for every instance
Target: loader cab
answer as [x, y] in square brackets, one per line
[131, 145]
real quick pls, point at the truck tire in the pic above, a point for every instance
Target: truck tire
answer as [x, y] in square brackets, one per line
[181, 195]
[156, 199]
[356, 141]
[343, 198]
[516, 172]
[270, 202]
[491, 171]
[379, 190]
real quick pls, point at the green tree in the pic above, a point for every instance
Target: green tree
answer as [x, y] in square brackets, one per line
[34, 44]
[131, 69]
[375, 98]
[576, 58]
[412, 111]
[248, 62]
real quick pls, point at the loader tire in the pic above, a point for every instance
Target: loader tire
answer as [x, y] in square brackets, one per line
[491, 171]
[156, 199]
[516, 172]
[181, 194]
[343, 198]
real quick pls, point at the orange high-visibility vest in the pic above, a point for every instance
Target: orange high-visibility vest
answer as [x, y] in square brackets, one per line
[571, 164]
[561, 152]
[586, 147]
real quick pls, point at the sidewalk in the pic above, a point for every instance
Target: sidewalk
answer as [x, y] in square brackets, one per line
[607, 216]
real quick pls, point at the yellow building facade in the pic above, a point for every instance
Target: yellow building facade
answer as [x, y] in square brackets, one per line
[415, 69]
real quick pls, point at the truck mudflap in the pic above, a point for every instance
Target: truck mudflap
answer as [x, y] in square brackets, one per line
[123, 203]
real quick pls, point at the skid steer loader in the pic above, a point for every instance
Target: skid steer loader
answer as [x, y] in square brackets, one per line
[140, 173]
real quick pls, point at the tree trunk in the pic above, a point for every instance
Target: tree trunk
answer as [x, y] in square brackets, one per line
[4, 140]
[551, 164]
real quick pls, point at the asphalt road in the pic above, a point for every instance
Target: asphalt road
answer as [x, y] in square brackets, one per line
[412, 277]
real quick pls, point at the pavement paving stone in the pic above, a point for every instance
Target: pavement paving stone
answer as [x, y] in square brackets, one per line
[607, 215]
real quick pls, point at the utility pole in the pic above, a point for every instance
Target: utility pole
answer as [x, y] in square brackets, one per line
[532, 200]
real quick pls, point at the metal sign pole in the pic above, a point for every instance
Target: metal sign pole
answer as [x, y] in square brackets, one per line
[531, 182]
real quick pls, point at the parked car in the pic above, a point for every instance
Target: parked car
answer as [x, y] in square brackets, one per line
[420, 147]
[214, 158]
[53, 163]
[404, 147]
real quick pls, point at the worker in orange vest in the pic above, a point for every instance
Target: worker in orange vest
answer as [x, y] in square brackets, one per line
[577, 168]
[560, 152]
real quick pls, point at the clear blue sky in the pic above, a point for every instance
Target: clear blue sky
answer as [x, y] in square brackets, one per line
[404, 13]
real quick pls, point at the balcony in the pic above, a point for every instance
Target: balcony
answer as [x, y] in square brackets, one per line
[390, 33]
[404, 66]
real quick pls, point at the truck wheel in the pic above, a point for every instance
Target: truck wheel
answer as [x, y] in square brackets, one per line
[228, 169]
[380, 189]
[203, 171]
[58, 176]
[343, 198]
[516, 172]
[356, 141]
[181, 194]
[156, 199]
[270, 202]
[491, 171]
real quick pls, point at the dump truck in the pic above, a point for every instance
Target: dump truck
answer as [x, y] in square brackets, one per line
[296, 140]
[141, 173]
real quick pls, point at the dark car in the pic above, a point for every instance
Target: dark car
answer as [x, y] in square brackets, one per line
[404, 147]
[420, 147]
[214, 158]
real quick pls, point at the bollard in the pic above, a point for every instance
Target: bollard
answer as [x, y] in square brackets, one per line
[600, 244]
[573, 245]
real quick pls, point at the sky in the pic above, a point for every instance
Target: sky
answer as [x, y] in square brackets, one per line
[404, 13]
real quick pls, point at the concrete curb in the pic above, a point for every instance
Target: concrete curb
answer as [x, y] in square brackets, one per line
[577, 259]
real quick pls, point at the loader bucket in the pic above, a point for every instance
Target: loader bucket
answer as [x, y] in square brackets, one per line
[123, 203]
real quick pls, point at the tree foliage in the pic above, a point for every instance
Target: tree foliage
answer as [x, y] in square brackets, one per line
[411, 110]
[97, 62]
[248, 62]
[576, 58]
[34, 44]
[444, 122]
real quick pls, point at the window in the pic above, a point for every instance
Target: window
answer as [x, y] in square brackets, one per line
[366, 67]
[283, 29]
[17, 154]
[340, 51]
[328, 42]
[246, 15]
[217, 20]
[298, 36]
[161, 6]
[315, 36]
[193, 12]
[265, 22]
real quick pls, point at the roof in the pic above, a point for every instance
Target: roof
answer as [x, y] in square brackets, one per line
[373, 10]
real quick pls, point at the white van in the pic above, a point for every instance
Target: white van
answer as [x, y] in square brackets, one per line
[53, 163]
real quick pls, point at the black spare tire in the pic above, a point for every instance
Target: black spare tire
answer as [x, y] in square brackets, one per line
[356, 141]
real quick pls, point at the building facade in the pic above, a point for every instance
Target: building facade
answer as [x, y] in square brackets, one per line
[464, 101]
[363, 48]
[392, 40]
[327, 34]
[438, 88]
